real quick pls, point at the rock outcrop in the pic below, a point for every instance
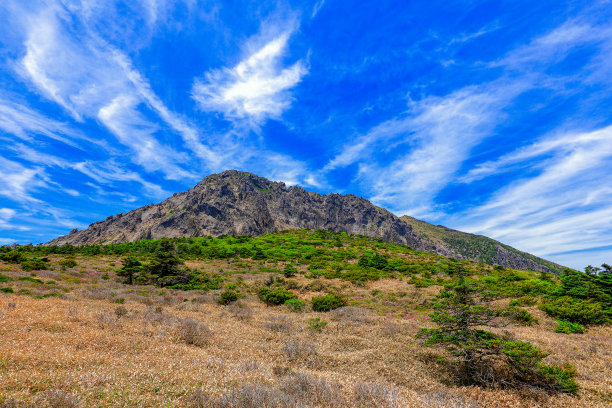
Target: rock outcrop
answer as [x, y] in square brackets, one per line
[240, 203]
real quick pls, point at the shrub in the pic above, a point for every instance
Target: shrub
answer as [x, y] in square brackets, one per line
[279, 324]
[130, 268]
[575, 310]
[67, 263]
[562, 376]
[276, 296]
[227, 297]
[563, 326]
[295, 305]
[522, 316]
[481, 357]
[4, 278]
[192, 332]
[327, 302]
[7, 290]
[316, 324]
[120, 311]
[289, 271]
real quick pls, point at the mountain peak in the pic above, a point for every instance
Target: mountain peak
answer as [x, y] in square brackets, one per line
[240, 203]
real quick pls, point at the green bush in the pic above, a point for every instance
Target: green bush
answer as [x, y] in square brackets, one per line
[34, 264]
[522, 316]
[563, 326]
[67, 263]
[227, 297]
[316, 324]
[4, 278]
[327, 302]
[7, 290]
[295, 305]
[575, 310]
[289, 271]
[276, 296]
[562, 376]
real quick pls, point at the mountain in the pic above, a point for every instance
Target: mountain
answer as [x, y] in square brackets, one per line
[240, 203]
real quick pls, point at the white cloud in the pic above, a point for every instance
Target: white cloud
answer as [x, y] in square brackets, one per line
[438, 133]
[256, 89]
[89, 78]
[17, 181]
[122, 118]
[566, 207]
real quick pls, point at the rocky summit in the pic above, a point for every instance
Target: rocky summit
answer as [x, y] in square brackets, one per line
[240, 203]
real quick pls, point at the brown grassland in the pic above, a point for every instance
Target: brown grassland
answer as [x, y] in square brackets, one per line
[105, 344]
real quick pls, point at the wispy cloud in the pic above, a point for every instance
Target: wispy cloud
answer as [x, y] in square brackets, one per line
[567, 206]
[256, 89]
[440, 133]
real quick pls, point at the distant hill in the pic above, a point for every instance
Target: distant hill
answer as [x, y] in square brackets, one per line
[240, 203]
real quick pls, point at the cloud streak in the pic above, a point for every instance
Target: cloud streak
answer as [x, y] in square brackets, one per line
[256, 89]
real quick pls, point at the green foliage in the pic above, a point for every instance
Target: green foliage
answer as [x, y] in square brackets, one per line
[295, 305]
[67, 263]
[316, 324]
[34, 264]
[563, 326]
[276, 296]
[327, 302]
[561, 376]
[7, 290]
[521, 316]
[4, 278]
[289, 271]
[481, 357]
[575, 310]
[130, 268]
[227, 297]
[375, 261]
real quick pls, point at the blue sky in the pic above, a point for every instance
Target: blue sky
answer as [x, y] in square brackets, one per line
[491, 117]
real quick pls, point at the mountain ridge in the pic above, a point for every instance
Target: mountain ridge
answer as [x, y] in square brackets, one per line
[240, 203]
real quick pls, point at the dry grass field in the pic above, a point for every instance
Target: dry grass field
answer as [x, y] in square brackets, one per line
[105, 344]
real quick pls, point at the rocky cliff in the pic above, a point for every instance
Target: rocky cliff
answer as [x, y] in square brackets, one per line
[239, 203]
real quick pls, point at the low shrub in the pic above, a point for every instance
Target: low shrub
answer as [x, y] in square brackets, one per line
[575, 310]
[120, 311]
[4, 278]
[327, 302]
[295, 305]
[192, 332]
[561, 376]
[276, 296]
[281, 324]
[7, 290]
[563, 326]
[522, 316]
[289, 271]
[227, 297]
[316, 324]
[67, 263]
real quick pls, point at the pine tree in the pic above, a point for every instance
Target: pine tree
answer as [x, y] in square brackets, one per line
[480, 357]
[130, 267]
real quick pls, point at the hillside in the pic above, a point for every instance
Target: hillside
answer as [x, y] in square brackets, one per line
[476, 247]
[74, 334]
[239, 203]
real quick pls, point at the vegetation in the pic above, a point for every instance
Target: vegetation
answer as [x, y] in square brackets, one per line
[173, 303]
[481, 357]
[327, 302]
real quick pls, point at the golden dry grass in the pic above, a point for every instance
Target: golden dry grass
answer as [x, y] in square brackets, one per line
[79, 346]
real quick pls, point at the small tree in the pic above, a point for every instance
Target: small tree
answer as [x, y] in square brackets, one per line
[165, 264]
[480, 357]
[130, 267]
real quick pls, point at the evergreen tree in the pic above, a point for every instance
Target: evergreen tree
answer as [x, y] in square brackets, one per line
[480, 357]
[130, 268]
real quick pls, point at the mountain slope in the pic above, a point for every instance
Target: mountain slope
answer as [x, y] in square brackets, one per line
[240, 203]
[476, 247]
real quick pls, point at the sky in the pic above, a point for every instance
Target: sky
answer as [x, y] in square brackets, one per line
[491, 117]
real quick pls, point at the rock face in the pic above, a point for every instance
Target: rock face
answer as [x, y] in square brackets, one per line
[239, 203]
